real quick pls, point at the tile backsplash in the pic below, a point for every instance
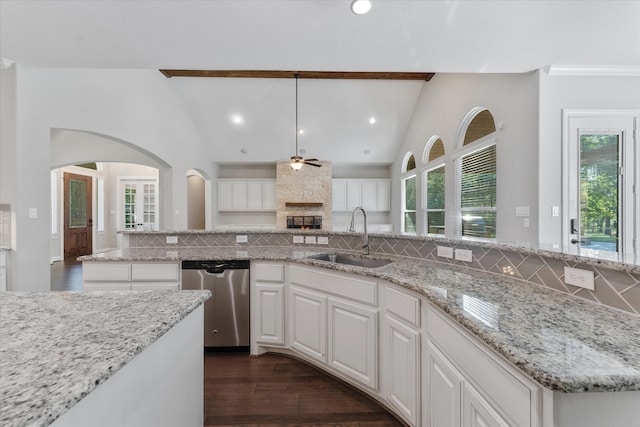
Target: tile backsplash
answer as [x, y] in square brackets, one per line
[614, 288]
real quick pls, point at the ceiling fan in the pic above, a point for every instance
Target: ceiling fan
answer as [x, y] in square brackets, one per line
[297, 161]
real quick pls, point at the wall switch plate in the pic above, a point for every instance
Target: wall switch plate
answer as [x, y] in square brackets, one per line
[445, 251]
[172, 240]
[310, 240]
[33, 213]
[298, 239]
[579, 277]
[242, 254]
[323, 240]
[525, 222]
[522, 210]
[242, 239]
[555, 210]
[464, 255]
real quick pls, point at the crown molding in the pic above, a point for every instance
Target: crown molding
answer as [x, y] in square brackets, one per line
[593, 70]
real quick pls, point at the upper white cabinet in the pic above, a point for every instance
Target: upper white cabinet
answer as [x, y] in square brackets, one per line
[246, 194]
[374, 195]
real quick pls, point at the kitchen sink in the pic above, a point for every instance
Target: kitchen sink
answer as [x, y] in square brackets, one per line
[352, 260]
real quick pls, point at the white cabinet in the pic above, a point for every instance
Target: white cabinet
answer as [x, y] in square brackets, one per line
[493, 393]
[374, 195]
[119, 276]
[353, 341]
[402, 352]
[444, 390]
[246, 194]
[477, 412]
[308, 314]
[268, 303]
[334, 320]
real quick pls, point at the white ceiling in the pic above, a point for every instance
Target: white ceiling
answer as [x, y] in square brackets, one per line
[323, 35]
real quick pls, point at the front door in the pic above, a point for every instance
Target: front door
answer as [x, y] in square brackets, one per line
[78, 222]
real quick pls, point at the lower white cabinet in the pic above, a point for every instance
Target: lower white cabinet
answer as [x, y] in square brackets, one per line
[477, 412]
[268, 303]
[353, 341]
[444, 390]
[403, 369]
[308, 314]
[122, 276]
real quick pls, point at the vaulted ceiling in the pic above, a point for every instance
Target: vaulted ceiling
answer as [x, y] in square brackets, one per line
[448, 36]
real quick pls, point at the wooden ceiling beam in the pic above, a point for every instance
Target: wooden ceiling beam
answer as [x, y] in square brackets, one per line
[266, 74]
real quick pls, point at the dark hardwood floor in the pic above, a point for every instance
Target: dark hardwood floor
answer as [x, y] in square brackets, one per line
[66, 275]
[266, 391]
[275, 390]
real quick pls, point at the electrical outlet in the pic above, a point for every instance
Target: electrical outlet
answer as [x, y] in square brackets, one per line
[172, 240]
[323, 240]
[464, 255]
[310, 240]
[445, 251]
[242, 239]
[579, 277]
[298, 239]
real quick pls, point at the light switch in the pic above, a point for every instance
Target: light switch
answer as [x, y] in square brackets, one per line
[445, 251]
[464, 255]
[555, 210]
[242, 239]
[522, 210]
[33, 213]
[172, 240]
[310, 240]
[323, 240]
[298, 239]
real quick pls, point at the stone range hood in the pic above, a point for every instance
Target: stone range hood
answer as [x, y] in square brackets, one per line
[307, 192]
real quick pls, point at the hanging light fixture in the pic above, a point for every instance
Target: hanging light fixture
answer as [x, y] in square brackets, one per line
[297, 161]
[360, 7]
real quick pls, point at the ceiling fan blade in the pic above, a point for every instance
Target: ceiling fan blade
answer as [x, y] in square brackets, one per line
[312, 164]
[312, 160]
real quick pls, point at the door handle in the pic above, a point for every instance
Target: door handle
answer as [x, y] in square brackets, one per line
[574, 226]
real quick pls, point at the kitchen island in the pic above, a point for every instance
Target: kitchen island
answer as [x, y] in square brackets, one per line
[585, 356]
[101, 358]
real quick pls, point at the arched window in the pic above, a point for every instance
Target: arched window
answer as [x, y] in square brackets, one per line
[434, 188]
[476, 175]
[409, 194]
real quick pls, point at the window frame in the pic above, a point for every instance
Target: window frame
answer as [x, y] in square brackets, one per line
[430, 167]
[403, 211]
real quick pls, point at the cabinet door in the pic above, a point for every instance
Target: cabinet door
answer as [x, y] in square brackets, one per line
[354, 194]
[353, 347]
[225, 195]
[477, 412]
[269, 195]
[383, 195]
[270, 308]
[403, 370]
[339, 195]
[254, 195]
[309, 323]
[444, 390]
[369, 196]
[239, 195]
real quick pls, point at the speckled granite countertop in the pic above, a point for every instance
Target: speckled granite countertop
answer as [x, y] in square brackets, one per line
[563, 342]
[56, 347]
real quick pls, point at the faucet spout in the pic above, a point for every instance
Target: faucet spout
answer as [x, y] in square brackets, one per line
[352, 227]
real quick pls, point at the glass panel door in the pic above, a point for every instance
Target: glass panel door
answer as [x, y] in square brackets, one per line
[599, 192]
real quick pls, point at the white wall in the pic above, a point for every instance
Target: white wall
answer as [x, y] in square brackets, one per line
[512, 99]
[570, 92]
[135, 106]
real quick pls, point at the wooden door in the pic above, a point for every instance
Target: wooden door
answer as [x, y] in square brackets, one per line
[78, 218]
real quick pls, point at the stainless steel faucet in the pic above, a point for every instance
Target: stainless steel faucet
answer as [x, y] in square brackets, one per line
[352, 227]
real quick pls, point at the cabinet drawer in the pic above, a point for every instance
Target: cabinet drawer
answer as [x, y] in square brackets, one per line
[356, 289]
[106, 286]
[155, 286]
[105, 272]
[157, 272]
[269, 272]
[500, 387]
[404, 306]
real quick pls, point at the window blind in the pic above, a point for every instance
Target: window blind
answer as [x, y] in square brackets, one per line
[478, 179]
[435, 197]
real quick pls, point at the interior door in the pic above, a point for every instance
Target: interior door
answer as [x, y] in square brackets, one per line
[601, 200]
[78, 219]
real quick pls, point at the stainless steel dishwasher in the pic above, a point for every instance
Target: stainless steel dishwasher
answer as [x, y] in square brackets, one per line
[226, 313]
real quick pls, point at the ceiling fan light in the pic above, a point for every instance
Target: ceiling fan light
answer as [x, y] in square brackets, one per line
[296, 166]
[360, 7]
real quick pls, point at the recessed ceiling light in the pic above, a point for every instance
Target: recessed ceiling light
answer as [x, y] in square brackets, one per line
[366, 152]
[237, 119]
[372, 120]
[360, 7]
[302, 151]
[244, 151]
[301, 131]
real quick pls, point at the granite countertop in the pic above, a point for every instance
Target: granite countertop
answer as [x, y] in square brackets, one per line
[56, 347]
[564, 343]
